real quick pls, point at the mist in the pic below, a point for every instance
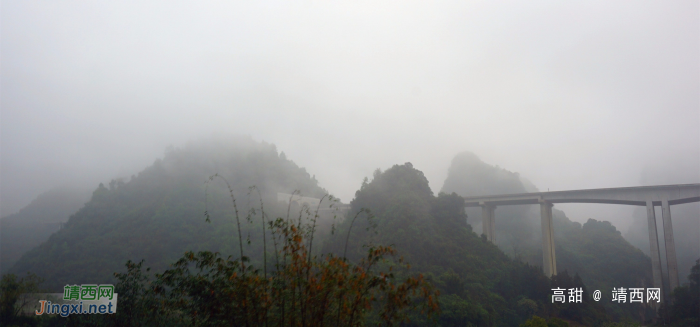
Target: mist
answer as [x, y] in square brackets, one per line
[569, 95]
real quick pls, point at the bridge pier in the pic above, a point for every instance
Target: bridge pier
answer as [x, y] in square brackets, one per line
[549, 264]
[654, 251]
[664, 195]
[489, 221]
[670, 246]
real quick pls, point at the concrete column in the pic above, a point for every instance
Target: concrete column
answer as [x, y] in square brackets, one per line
[549, 265]
[492, 224]
[485, 220]
[654, 243]
[489, 221]
[670, 246]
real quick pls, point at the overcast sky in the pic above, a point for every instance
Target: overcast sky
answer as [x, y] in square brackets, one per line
[572, 95]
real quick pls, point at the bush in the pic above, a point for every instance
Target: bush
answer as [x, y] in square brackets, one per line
[303, 290]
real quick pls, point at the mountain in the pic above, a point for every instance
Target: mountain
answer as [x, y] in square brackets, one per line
[517, 226]
[31, 226]
[595, 251]
[686, 233]
[686, 217]
[479, 283]
[159, 214]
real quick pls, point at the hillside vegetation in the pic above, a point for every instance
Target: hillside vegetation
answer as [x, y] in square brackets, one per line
[158, 214]
[479, 283]
[31, 226]
[596, 250]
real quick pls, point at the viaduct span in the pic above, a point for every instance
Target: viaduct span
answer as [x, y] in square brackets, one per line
[648, 196]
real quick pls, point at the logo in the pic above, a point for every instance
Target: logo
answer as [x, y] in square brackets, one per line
[77, 299]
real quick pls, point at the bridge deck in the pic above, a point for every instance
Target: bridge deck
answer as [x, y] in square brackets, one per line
[674, 194]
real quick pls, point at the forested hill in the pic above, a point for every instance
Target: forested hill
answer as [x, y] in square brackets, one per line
[596, 251]
[480, 285]
[157, 215]
[31, 226]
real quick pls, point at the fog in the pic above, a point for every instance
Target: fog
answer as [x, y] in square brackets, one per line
[571, 95]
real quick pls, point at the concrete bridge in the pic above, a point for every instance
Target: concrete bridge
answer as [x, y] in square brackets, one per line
[648, 196]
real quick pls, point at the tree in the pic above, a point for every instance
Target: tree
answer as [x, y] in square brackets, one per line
[303, 290]
[685, 307]
[535, 321]
[11, 300]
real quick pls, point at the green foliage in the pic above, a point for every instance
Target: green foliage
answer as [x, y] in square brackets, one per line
[156, 216]
[556, 322]
[588, 312]
[535, 321]
[621, 324]
[685, 307]
[11, 300]
[205, 289]
[481, 286]
[595, 251]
